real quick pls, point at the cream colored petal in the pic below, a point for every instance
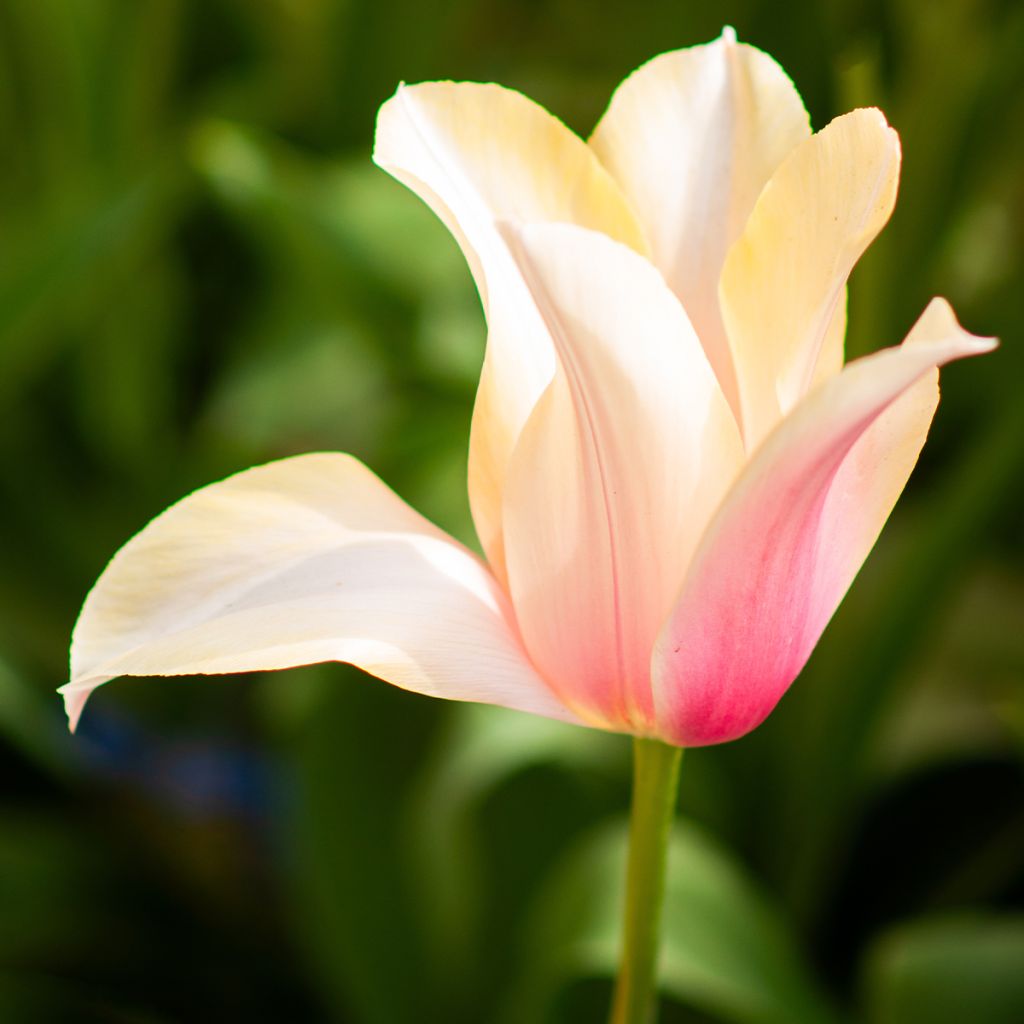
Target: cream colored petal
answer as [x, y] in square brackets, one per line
[478, 154]
[784, 279]
[305, 560]
[616, 473]
[692, 137]
[832, 355]
[792, 534]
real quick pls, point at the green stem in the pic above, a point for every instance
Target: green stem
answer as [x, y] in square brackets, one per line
[655, 781]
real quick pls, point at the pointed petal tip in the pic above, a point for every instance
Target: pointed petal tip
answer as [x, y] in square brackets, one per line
[75, 698]
[939, 322]
[978, 345]
[385, 113]
[728, 35]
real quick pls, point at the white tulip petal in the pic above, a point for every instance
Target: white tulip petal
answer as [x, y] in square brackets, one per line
[792, 533]
[616, 472]
[783, 281]
[692, 136]
[478, 154]
[305, 560]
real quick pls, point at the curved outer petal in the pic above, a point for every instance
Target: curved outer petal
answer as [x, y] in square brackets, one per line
[783, 281]
[615, 475]
[792, 533]
[305, 560]
[478, 154]
[692, 137]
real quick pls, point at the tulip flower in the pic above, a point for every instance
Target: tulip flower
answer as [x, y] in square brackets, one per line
[673, 476]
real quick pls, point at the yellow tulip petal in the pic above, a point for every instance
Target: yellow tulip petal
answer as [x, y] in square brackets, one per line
[783, 280]
[478, 154]
[792, 533]
[305, 560]
[692, 137]
[616, 472]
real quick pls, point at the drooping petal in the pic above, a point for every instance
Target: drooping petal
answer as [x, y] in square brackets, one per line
[478, 154]
[305, 560]
[692, 137]
[793, 532]
[616, 472]
[784, 279]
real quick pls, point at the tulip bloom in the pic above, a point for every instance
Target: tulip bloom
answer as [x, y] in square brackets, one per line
[673, 476]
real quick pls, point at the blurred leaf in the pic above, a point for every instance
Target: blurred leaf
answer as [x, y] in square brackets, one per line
[481, 749]
[847, 699]
[329, 213]
[30, 722]
[965, 694]
[357, 760]
[290, 78]
[302, 385]
[58, 269]
[948, 971]
[944, 56]
[136, 79]
[128, 370]
[49, 907]
[54, 53]
[726, 951]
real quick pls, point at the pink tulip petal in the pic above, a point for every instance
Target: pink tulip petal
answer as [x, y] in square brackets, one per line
[692, 137]
[616, 472]
[783, 283]
[793, 532]
[305, 560]
[478, 154]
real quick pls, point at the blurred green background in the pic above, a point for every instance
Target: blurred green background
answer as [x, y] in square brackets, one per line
[201, 270]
